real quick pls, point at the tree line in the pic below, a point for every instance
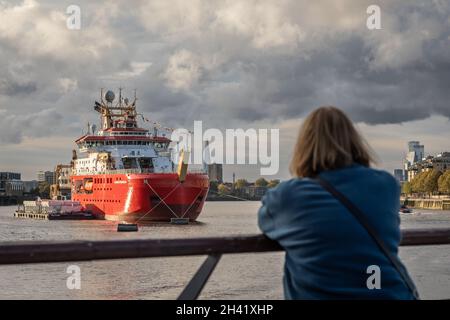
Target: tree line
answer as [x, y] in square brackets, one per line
[241, 184]
[428, 182]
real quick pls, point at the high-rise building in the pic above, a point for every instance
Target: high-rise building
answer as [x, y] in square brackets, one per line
[29, 186]
[416, 152]
[46, 176]
[418, 149]
[62, 184]
[399, 174]
[10, 184]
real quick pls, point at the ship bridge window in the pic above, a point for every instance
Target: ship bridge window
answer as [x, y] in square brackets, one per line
[160, 145]
[129, 163]
[146, 163]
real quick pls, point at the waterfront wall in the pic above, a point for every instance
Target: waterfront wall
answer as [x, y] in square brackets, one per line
[13, 200]
[8, 201]
[438, 204]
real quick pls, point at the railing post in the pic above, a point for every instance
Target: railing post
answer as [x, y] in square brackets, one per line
[198, 281]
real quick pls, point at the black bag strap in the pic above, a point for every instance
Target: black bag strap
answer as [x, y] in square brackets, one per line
[361, 218]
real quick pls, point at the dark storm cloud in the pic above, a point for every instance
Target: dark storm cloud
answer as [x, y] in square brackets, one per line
[341, 76]
[13, 88]
[228, 64]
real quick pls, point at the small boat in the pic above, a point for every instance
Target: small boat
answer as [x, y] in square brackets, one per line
[127, 227]
[179, 220]
[405, 209]
[45, 209]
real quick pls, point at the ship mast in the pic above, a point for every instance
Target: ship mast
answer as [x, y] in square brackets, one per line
[122, 115]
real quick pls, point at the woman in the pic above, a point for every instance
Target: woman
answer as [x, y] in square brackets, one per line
[329, 252]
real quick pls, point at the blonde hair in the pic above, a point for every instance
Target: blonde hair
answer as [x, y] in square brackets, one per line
[328, 140]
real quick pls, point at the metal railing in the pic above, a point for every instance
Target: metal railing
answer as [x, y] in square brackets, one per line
[65, 251]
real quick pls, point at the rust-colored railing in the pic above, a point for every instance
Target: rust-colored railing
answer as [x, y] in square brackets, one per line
[65, 251]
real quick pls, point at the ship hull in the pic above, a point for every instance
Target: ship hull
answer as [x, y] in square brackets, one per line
[142, 198]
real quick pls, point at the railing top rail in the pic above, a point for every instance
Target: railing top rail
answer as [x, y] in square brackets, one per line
[64, 251]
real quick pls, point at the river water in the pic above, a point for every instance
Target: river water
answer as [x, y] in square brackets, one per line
[238, 276]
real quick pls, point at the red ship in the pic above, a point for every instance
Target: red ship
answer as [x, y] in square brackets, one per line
[126, 173]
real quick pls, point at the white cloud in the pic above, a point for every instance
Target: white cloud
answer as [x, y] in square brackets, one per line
[33, 30]
[175, 18]
[135, 69]
[264, 22]
[183, 70]
[68, 85]
[400, 45]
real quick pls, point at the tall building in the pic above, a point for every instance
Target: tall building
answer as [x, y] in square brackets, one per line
[62, 184]
[11, 184]
[416, 153]
[46, 176]
[62, 176]
[399, 174]
[29, 186]
[215, 172]
[418, 149]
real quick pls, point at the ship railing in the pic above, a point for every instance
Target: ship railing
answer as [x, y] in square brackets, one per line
[126, 171]
[214, 248]
[137, 171]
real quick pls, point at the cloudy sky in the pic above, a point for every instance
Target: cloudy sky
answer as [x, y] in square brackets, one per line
[232, 64]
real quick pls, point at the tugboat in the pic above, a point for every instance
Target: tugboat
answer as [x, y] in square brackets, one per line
[126, 173]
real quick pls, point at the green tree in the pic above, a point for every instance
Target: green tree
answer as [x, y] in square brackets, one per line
[44, 189]
[261, 182]
[240, 183]
[418, 183]
[406, 188]
[431, 181]
[213, 185]
[444, 182]
[273, 183]
[35, 191]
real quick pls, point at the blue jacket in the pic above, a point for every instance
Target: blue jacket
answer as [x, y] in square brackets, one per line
[327, 250]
